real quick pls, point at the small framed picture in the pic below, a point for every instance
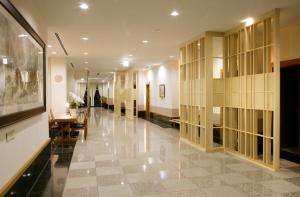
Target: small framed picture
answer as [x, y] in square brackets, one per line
[162, 90]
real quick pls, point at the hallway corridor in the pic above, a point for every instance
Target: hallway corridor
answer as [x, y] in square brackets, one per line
[124, 157]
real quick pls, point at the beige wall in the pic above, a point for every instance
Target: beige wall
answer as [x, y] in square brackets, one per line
[290, 42]
[58, 87]
[170, 112]
[32, 133]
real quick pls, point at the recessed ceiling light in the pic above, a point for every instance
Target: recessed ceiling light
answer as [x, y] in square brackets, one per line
[125, 63]
[156, 30]
[49, 46]
[86, 68]
[145, 41]
[85, 53]
[171, 56]
[174, 13]
[86, 62]
[82, 79]
[130, 55]
[54, 52]
[22, 35]
[248, 21]
[84, 6]
[85, 38]
[5, 61]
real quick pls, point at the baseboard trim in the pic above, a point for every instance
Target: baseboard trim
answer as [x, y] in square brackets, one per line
[20, 172]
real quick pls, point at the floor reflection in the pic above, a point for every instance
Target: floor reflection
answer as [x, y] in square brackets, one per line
[47, 174]
[133, 157]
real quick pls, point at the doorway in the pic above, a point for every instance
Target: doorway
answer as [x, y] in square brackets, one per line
[290, 113]
[147, 112]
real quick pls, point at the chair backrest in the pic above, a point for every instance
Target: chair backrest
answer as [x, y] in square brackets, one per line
[51, 120]
[51, 114]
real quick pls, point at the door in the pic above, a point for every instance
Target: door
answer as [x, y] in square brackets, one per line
[147, 112]
[290, 113]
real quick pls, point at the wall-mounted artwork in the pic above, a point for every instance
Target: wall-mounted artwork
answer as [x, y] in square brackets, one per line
[22, 67]
[162, 90]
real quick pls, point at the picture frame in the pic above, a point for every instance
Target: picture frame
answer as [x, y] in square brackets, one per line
[162, 91]
[22, 68]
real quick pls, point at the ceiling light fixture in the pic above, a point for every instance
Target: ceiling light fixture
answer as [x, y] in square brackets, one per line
[49, 46]
[145, 41]
[85, 38]
[82, 79]
[130, 55]
[86, 68]
[5, 61]
[85, 53]
[174, 13]
[86, 62]
[125, 63]
[54, 52]
[248, 21]
[171, 56]
[22, 35]
[84, 6]
[156, 30]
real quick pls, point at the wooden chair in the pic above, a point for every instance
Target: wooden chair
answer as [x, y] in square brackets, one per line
[51, 114]
[81, 125]
[54, 128]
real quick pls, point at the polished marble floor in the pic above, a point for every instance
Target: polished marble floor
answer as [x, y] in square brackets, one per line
[123, 157]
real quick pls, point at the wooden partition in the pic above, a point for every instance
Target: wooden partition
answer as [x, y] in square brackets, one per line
[229, 91]
[119, 85]
[196, 92]
[131, 93]
[125, 92]
[252, 91]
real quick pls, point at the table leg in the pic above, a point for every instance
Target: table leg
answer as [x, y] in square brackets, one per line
[69, 132]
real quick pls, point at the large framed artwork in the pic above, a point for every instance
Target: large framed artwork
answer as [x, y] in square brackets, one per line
[22, 67]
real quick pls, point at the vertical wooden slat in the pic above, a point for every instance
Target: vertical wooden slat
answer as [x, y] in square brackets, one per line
[276, 146]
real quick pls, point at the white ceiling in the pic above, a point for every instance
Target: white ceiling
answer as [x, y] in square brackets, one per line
[116, 28]
[96, 77]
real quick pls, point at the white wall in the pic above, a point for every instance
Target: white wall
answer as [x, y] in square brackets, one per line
[70, 80]
[141, 90]
[167, 74]
[111, 92]
[32, 133]
[80, 89]
[105, 90]
[58, 88]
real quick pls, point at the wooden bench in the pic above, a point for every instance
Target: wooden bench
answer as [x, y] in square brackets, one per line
[175, 122]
